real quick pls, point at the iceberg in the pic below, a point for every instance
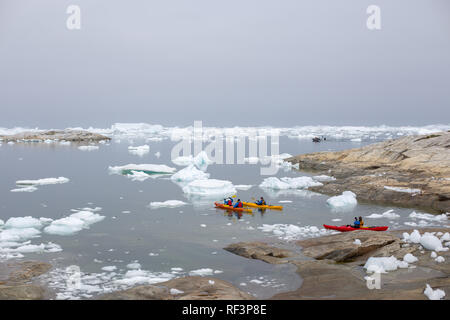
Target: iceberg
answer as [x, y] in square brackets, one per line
[346, 200]
[289, 183]
[210, 188]
[190, 173]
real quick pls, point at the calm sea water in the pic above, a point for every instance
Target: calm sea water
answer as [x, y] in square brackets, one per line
[160, 239]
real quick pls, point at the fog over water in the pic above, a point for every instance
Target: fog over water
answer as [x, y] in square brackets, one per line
[252, 62]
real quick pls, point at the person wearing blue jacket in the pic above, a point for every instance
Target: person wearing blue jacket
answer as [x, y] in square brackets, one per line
[238, 204]
[261, 202]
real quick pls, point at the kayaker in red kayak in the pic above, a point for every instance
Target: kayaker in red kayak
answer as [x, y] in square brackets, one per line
[361, 222]
[356, 223]
[238, 204]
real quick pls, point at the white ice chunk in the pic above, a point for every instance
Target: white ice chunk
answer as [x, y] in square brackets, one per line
[139, 150]
[41, 182]
[289, 183]
[190, 173]
[384, 264]
[210, 188]
[437, 294]
[346, 199]
[168, 204]
[409, 258]
[388, 215]
[202, 272]
[23, 222]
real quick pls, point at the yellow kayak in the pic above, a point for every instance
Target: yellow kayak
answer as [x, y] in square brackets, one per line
[254, 205]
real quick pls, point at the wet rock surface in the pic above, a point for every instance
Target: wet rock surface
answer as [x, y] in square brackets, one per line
[421, 163]
[57, 135]
[186, 288]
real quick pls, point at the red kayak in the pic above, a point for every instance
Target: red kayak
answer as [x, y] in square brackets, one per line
[345, 228]
[226, 207]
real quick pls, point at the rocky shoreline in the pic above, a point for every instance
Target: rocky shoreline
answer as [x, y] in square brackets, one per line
[412, 171]
[332, 266]
[55, 135]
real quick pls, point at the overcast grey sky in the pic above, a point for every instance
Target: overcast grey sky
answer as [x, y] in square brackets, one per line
[226, 62]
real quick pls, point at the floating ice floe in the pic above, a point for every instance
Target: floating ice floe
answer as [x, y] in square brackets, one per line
[16, 235]
[139, 150]
[437, 294]
[285, 201]
[25, 189]
[88, 148]
[346, 200]
[73, 223]
[42, 182]
[167, 204]
[109, 268]
[429, 217]
[390, 214]
[150, 169]
[31, 185]
[134, 265]
[190, 173]
[384, 264]
[289, 183]
[202, 272]
[404, 190]
[210, 188]
[243, 186]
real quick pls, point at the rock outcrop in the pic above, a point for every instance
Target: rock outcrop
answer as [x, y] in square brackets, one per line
[259, 251]
[415, 170]
[16, 281]
[331, 266]
[56, 135]
[186, 288]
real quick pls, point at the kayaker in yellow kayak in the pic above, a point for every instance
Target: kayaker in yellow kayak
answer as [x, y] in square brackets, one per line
[261, 202]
